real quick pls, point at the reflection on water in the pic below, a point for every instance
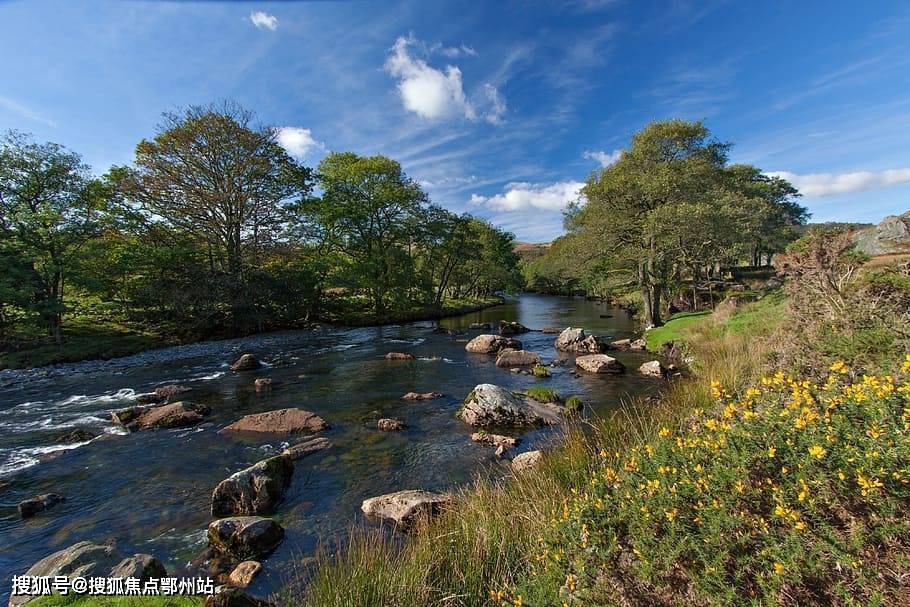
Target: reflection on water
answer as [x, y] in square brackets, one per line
[150, 491]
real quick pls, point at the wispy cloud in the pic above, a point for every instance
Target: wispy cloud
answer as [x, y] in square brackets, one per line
[263, 20]
[603, 158]
[297, 141]
[829, 184]
[25, 111]
[521, 196]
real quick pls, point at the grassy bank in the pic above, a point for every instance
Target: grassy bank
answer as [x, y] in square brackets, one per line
[730, 490]
[116, 601]
[91, 337]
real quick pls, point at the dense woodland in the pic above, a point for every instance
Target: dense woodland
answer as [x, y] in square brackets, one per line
[669, 213]
[215, 229]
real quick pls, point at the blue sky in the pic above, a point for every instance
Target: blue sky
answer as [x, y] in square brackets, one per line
[498, 108]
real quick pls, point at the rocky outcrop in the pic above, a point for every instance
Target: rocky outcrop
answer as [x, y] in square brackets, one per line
[509, 358]
[491, 344]
[280, 421]
[140, 566]
[422, 395]
[511, 328]
[526, 460]
[406, 508]
[490, 406]
[243, 574]
[653, 368]
[576, 340]
[30, 507]
[174, 415]
[87, 559]
[234, 597]
[246, 362]
[254, 490]
[890, 236]
[399, 356]
[245, 537]
[599, 363]
[390, 425]
[301, 450]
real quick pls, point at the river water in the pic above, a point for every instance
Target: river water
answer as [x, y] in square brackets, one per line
[150, 491]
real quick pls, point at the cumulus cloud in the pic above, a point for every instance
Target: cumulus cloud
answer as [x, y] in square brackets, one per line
[602, 157]
[520, 196]
[436, 93]
[296, 140]
[264, 20]
[829, 184]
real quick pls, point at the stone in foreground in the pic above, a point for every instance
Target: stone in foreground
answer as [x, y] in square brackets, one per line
[653, 368]
[30, 507]
[280, 421]
[245, 537]
[406, 508]
[422, 395]
[243, 574]
[599, 363]
[246, 362]
[576, 340]
[254, 490]
[491, 406]
[301, 450]
[527, 460]
[516, 358]
[491, 344]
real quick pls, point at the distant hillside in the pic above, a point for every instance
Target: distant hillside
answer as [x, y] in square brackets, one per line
[529, 251]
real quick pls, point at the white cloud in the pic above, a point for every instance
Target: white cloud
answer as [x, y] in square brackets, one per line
[297, 141]
[497, 105]
[602, 157]
[264, 20]
[521, 195]
[455, 51]
[425, 90]
[829, 184]
[24, 111]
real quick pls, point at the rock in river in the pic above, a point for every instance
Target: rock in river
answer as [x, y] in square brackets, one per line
[399, 356]
[301, 450]
[33, 506]
[254, 490]
[576, 340]
[511, 328]
[491, 344]
[653, 368]
[405, 508]
[78, 435]
[245, 537]
[526, 460]
[247, 362]
[497, 440]
[280, 421]
[390, 425]
[171, 392]
[262, 384]
[599, 363]
[509, 358]
[422, 395]
[175, 415]
[140, 566]
[491, 406]
[638, 344]
[243, 574]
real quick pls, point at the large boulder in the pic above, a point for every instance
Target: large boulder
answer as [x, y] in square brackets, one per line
[599, 363]
[245, 537]
[511, 328]
[576, 340]
[301, 450]
[32, 506]
[509, 358]
[174, 415]
[246, 362]
[490, 406]
[254, 490]
[280, 421]
[85, 559]
[406, 508]
[140, 566]
[491, 344]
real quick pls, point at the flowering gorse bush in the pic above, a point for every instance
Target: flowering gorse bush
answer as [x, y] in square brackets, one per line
[791, 492]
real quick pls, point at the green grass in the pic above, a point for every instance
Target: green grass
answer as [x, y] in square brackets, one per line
[574, 403]
[541, 371]
[116, 601]
[543, 395]
[673, 329]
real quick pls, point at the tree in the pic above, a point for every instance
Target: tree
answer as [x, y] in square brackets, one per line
[213, 175]
[368, 204]
[49, 208]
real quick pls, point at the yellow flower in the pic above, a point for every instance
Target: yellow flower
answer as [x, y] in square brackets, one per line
[779, 568]
[771, 451]
[664, 432]
[817, 451]
[839, 367]
[905, 368]
[671, 514]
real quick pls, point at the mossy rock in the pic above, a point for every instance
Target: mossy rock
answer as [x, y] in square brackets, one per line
[541, 371]
[543, 395]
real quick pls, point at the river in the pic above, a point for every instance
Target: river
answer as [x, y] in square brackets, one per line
[150, 491]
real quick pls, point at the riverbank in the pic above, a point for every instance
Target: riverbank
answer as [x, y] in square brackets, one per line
[89, 338]
[661, 503]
